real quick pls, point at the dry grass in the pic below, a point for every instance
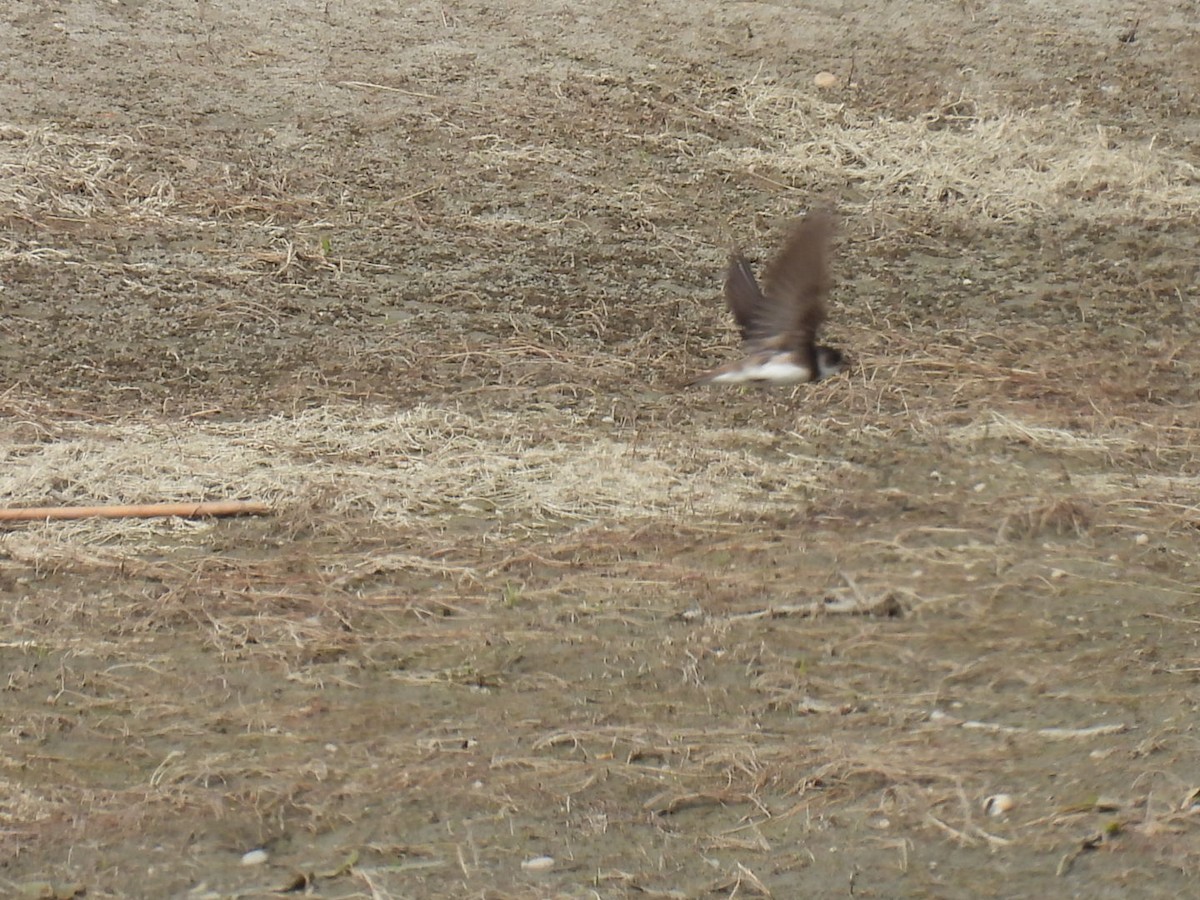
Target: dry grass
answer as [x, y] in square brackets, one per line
[399, 468]
[51, 173]
[547, 466]
[603, 627]
[968, 163]
[537, 601]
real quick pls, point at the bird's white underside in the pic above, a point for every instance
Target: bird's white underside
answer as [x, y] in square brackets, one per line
[776, 371]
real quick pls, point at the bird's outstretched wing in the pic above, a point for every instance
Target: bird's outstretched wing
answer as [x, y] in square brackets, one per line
[743, 295]
[795, 283]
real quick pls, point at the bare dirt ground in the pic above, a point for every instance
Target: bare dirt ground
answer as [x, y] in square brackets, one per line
[426, 277]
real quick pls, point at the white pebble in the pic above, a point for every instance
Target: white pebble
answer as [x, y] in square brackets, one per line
[538, 864]
[254, 857]
[1142, 539]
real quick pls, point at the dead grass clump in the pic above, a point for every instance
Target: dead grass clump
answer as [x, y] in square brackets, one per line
[1040, 437]
[88, 546]
[1008, 166]
[399, 467]
[60, 182]
[1059, 516]
[51, 173]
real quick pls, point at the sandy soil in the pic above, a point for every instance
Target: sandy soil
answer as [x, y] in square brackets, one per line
[427, 277]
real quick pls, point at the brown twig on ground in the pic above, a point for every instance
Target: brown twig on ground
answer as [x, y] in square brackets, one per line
[141, 510]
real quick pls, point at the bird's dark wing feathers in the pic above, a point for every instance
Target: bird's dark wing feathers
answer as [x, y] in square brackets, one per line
[742, 294]
[795, 283]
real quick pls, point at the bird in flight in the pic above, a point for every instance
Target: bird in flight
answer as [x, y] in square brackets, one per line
[779, 322]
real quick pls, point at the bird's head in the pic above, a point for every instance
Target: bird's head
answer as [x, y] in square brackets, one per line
[830, 361]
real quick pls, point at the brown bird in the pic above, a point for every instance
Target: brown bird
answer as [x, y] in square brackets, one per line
[779, 323]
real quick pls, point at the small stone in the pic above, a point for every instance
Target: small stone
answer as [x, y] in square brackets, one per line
[538, 864]
[825, 80]
[255, 857]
